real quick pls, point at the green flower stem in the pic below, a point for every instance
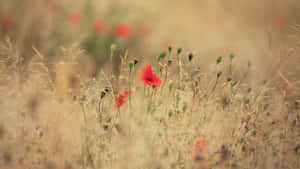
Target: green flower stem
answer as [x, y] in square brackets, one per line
[179, 70]
[129, 86]
[166, 76]
[157, 67]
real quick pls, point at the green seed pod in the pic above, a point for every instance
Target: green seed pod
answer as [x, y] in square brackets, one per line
[219, 60]
[170, 48]
[162, 55]
[179, 50]
[131, 64]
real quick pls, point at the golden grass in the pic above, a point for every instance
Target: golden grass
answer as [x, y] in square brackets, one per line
[57, 119]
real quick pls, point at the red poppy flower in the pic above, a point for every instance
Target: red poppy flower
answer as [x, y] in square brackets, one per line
[147, 76]
[123, 30]
[99, 25]
[279, 21]
[75, 17]
[121, 98]
[6, 21]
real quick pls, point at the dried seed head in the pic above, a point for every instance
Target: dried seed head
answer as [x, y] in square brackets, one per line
[105, 127]
[219, 74]
[102, 95]
[107, 89]
[169, 62]
[135, 61]
[191, 56]
[219, 60]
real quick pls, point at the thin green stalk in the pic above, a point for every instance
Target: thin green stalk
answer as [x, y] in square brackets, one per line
[131, 64]
[129, 86]
[179, 50]
[157, 67]
[150, 101]
[167, 66]
[230, 65]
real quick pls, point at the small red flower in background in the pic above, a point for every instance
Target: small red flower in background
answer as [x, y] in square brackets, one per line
[55, 6]
[288, 89]
[123, 30]
[121, 98]
[7, 21]
[74, 17]
[199, 148]
[147, 76]
[279, 21]
[143, 30]
[99, 25]
[200, 145]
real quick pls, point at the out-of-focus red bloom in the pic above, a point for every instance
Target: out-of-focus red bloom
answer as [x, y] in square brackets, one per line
[147, 76]
[7, 21]
[288, 89]
[99, 25]
[75, 17]
[55, 6]
[121, 98]
[123, 30]
[200, 145]
[143, 30]
[279, 21]
[199, 148]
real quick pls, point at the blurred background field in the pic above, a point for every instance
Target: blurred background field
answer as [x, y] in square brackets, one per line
[230, 100]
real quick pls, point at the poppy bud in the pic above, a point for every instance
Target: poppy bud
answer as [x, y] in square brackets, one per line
[219, 60]
[179, 50]
[231, 55]
[170, 48]
[131, 64]
[191, 56]
[162, 55]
